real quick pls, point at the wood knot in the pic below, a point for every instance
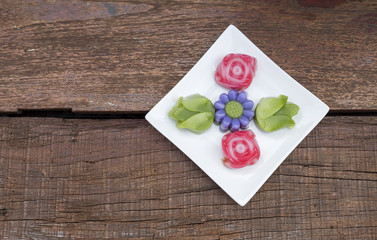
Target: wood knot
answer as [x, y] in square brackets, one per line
[3, 211]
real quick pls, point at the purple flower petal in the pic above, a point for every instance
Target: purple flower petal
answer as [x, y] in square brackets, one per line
[235, 125]
[241, 97]
[225, 123]
[219, 105]
[248, 113]
[248, 104]
[244, 122]
[232, 95]
[219, 116]
[224, 98]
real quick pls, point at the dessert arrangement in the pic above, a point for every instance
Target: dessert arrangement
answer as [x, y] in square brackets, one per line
[234, 111]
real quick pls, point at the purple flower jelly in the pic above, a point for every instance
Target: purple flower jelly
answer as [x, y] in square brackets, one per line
[233, 111]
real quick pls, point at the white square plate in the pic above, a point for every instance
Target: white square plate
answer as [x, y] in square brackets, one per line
[205, 149]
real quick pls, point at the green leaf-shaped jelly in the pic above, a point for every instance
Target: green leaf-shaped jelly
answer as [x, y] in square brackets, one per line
[198, 123]
[289, 109]
[175, 108]
[269, 106]
[182, 114]
[198, 103]
[194, 112]
[273, 113]
[276, 122]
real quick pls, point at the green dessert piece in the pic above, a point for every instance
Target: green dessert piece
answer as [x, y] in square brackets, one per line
[269, 106]
[274, 113]
[234, 109]
[289, 109]
[194, 112]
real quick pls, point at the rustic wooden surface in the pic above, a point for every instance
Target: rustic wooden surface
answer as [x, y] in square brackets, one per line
[125, 55]
[83, 179]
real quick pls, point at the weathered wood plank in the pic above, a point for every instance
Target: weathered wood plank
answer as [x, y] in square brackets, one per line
[122, 179]
[126, 55]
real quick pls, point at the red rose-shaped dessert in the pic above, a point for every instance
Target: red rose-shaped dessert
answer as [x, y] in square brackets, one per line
[236, 71]
[240, 149]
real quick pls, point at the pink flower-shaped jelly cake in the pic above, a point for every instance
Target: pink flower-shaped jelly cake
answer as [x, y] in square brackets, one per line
[240, 149]
[236, 71]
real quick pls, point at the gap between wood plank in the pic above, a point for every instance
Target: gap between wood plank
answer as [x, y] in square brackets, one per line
[67, 113]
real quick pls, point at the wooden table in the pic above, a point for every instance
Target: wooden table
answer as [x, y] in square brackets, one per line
[78, 160]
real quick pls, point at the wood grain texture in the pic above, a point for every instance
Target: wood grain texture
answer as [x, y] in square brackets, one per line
[126, 55]
[85, 179]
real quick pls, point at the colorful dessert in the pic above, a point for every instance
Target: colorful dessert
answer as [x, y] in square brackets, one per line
[233, 111]
[274, 113]
[236, 71]
[194, 112]
[240, 149]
